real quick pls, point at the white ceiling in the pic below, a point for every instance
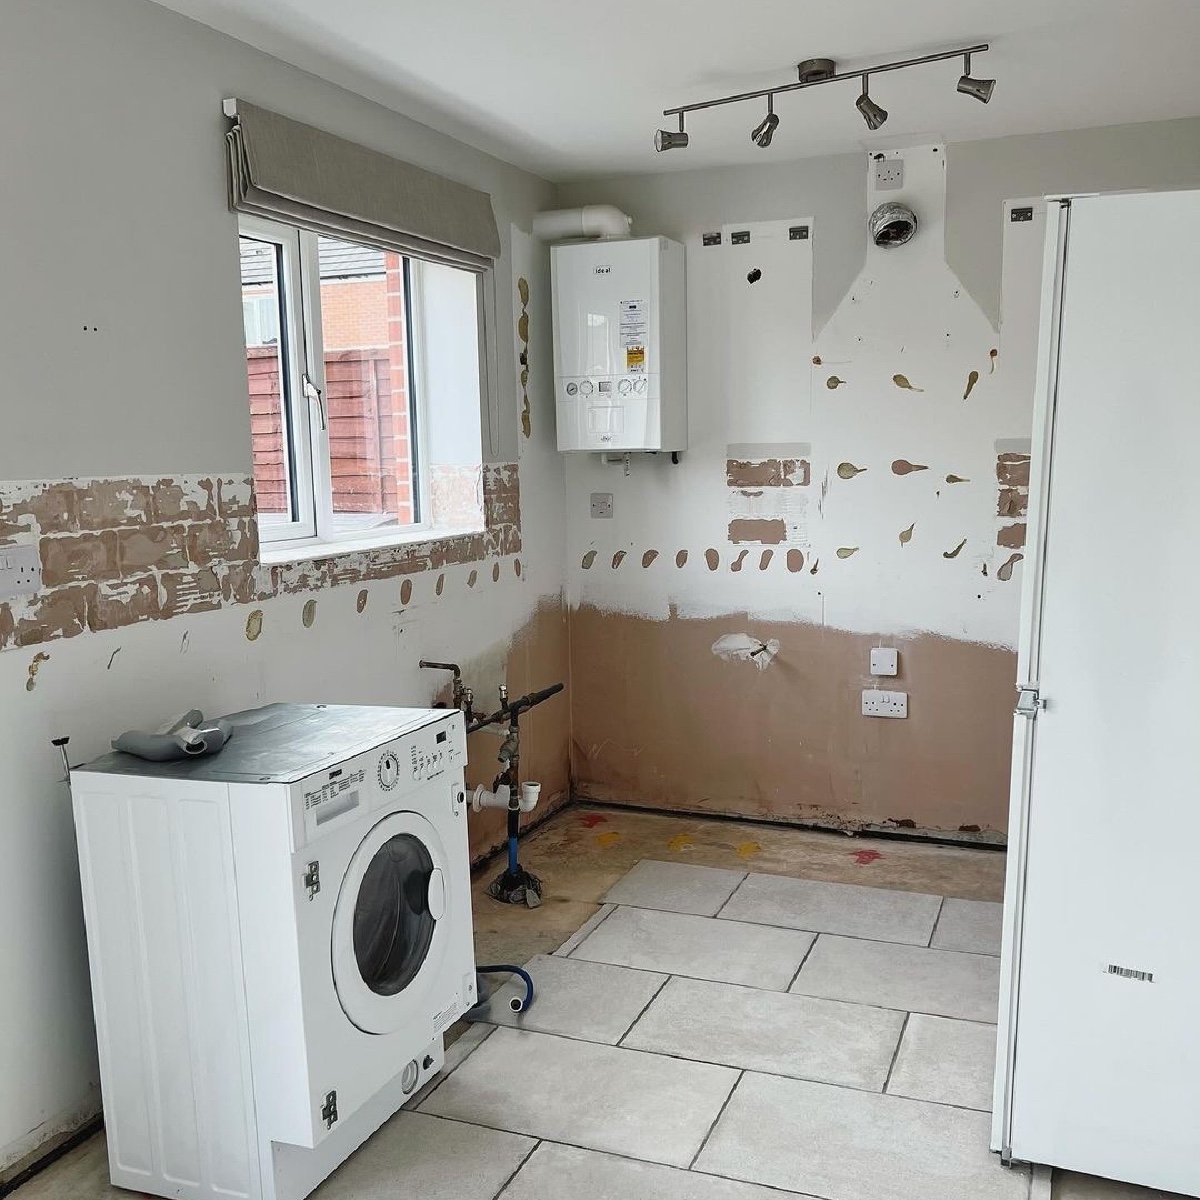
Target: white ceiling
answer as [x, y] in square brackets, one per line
[569, 89]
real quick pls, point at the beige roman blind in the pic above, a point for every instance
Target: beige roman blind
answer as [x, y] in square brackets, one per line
[287, 171]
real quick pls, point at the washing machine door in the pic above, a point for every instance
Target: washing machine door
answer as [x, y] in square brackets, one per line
[388, 936]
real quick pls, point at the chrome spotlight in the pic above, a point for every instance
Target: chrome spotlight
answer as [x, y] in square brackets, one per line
[981, 89]
[671, 139]
[872, 113]
[764, 131]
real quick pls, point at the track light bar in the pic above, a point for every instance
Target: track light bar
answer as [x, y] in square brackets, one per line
[813, 73]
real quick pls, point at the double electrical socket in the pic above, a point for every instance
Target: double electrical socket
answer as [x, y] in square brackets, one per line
[20, 571]
[876, 703]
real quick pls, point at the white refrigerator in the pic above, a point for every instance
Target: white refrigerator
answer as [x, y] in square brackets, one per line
[1098, 1065]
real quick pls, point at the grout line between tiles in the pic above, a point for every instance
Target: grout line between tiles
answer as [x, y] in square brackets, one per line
[585, 931]
[811, 947]
[720, 1114]
[508, 1182]
[657, 991]
[736, 888]
[853, 937]
[896, 1055]
[936, 921]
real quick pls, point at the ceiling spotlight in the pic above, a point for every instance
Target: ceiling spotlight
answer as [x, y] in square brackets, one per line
[764, 131]
[670, 139]
[872, 113]
[981, 89]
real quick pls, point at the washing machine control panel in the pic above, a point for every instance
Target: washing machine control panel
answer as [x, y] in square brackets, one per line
[379, 778]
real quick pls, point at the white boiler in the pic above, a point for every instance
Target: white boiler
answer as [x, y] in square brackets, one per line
[620, 345]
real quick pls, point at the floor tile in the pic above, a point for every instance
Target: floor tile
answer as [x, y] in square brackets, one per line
[850, 1044]
[701, 947]
[969, 925]
[845, 908]
[1070, 1186]
[676, 887]
[941, 982]
[415, 1150]
[835, 1142]
[565, 1173]
[600, 1097]
[950, 1062]
[600, 915]
[576, 998]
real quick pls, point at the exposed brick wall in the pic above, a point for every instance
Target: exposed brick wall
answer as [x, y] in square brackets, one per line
[116, 552]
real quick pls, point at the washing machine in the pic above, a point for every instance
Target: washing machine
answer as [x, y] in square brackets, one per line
[278, 937]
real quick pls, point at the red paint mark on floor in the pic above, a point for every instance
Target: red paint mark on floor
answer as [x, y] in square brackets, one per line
[866, 857]
[591, 820]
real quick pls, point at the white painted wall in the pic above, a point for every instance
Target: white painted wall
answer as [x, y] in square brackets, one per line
[115, 218]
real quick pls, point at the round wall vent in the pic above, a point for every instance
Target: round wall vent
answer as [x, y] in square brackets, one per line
[892, 225]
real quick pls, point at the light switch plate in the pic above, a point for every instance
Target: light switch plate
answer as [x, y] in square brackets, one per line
[602, 506]
[884, 704]
[20, 571]
[885, 661]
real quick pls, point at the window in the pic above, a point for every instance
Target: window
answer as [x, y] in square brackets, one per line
[364, 378]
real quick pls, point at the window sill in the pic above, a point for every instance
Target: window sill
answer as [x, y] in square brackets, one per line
[284, 553]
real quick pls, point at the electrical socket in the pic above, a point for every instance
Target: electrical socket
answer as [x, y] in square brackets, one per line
[889, 174]
[602, 506]
[20, 571]
[876, 703]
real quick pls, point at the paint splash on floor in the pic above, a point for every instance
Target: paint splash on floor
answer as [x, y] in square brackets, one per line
[591, 820]
[748, 849]
[866, 857]
[609, 838]
[681, 841]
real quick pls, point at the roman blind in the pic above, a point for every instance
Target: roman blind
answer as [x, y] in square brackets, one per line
[288, 171]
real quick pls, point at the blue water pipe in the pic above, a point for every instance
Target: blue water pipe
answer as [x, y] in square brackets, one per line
[516, 1003]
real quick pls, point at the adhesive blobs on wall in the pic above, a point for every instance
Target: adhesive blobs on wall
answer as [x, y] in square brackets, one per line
[713, 559]
[618, 559]
[956, 479]
[473, 578]
[847, 551]
[1005, 570]
[906, 534]
[833, 383]
[903, 467]
[517, 567]
[35, 665]
[440, 586]
[406, 590]
[254, 625]
[361, 602]
[753, 276]
[736, 565]
[955, 552]
[848, 470]
[649, 557]
[309, 613]
[765, 559]
[588, 559]
[901, 381]
[992, 357]
[972, 380]
[495, 572]
[795, 561]
[681, 558]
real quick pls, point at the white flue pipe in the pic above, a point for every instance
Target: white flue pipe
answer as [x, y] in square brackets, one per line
[530, 793]
[590, 222]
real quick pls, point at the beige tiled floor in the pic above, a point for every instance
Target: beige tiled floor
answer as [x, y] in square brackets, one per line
[768, 1091]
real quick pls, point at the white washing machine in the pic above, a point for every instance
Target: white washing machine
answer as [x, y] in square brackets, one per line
[278, 936]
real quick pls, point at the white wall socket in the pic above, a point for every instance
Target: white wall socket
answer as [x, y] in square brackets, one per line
[885, 661]
[889, 174]
[20, 571]
[602, 506]
[884, 704]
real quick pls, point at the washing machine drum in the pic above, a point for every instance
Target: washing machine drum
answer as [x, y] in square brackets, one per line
[387, 940]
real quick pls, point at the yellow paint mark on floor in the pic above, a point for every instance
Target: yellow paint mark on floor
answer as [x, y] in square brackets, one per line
[681, 841]
[609, 838]
[748, 850]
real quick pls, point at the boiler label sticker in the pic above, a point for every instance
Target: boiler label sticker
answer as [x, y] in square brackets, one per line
[635, 359]
[634, 320]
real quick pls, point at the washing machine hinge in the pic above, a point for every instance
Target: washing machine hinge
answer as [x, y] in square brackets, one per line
[312, 881]
[329, 1112]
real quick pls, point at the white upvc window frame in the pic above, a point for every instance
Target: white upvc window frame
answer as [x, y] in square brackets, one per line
[314, 534]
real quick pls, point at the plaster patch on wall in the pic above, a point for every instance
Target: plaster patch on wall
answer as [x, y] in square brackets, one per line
[972, 380]
[764, 560]
[360, 604]
[956, 551]
[309, 613]
[848, 470]
[618, 559]
[903, 467]
[254, 625]
[681, 559]
[766, 472]
[736, 565]
[648, 558]
[523, 354]
[906, 534]
[440, 586]
[768, 531]
[588, 560]
[743, 647]
[847, 551]
[472, 578]
[35, 665]
[956, 479]
[713, 559]
[795, 561]
[833, 383]
[406, 591]
[901, 381]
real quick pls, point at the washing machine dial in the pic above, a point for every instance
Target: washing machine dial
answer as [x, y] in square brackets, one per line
[389, 771]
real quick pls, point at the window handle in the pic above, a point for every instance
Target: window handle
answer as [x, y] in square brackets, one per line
[314, 393]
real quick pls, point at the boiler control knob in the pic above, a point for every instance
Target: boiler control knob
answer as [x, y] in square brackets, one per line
[586, 388]
[572, 388]
[639, 386]
[625, 387]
